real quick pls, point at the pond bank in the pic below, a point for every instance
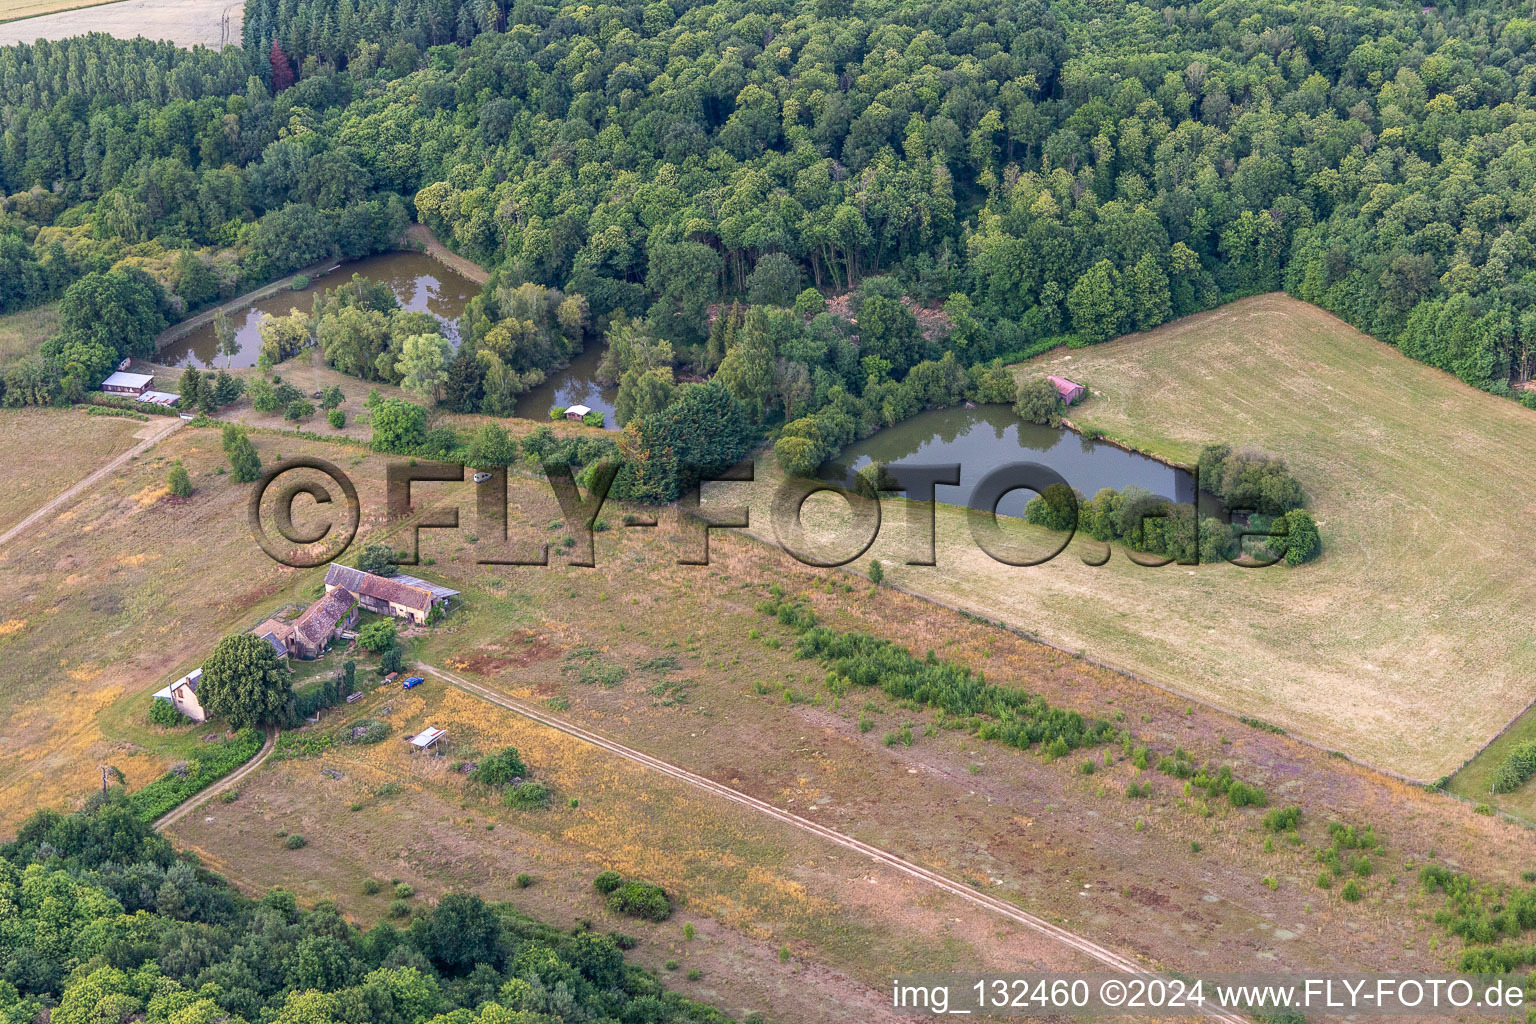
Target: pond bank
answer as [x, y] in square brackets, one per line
[418, 238]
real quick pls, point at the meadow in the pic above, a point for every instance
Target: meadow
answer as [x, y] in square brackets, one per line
[184, 22]
[28, 482]
[1397, 647]
[744, 888]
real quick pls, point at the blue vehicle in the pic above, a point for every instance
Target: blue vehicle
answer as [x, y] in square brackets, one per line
[413, 681]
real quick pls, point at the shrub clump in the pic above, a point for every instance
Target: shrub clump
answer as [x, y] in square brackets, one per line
[1518, 766]
[529, 796]
[500, 768]
[163, 713]
[645, 900]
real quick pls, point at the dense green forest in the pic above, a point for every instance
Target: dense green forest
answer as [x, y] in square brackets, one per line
[675, 178]
[101, 920]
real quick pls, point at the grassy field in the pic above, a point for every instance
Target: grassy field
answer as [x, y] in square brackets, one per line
[28, 482]
[1398, 647]
[184, 22]
[125, 589]
[23, 333]
[749, 886]
[116, 596]
[1473, 782]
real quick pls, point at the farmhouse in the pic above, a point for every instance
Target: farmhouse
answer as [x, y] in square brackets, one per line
[1070, 391]
[121, 383]
[183, 695]
[576, 412]
[307, 636]
[276, 633]
[400, 596]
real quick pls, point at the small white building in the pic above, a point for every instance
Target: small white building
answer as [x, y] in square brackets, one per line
[164, 398]
[183, 695]
[576, 412]
[427, 738]
[121, 383]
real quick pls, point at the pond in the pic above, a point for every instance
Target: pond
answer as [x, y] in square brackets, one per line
[982, 438]
[575, 385]
[421, 283]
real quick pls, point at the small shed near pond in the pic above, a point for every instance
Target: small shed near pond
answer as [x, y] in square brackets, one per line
[1070, 391]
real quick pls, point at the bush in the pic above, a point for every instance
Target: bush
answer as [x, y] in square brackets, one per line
[1038, 401]
[1518, 766]
[377, 636]
[1243, 795]
[607, 882]
[371, 886]
[524, 880]
[530, 796]
[641, 899]
[369, 730]
[1283, 819]
[163, 713]
[296, 842]
[1351, 892]
[1302, 542]
[500, 768]
[178, 480]
[336, 418]
[876, 572]
[399, 908]
[403, 891]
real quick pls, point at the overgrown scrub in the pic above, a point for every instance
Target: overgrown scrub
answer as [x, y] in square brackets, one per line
[292, 746]
[166, 792]
[645, 900]
[1012, 716]
[1518, 766]
[527, 796]
[368, 730]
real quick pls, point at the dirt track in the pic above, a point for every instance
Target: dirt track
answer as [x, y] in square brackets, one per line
[151, 433]
[212, 23]
[1107, 957]
[184, 808]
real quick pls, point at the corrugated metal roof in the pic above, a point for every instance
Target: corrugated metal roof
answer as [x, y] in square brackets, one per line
[120, 379]
[437, 590]
[427, 737]
[406, 591]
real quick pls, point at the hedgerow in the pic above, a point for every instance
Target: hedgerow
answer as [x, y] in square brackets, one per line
[1518, 766]
[166, 792]
[1012, 716]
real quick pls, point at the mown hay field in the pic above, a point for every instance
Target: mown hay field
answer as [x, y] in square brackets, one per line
[1403, 645]
[47, 451]
[212, 23]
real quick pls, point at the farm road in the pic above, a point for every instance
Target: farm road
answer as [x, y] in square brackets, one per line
[1102, 954]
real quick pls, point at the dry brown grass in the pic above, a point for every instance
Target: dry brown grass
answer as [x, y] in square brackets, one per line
[47, 450]
[1398, 646]
[184, 22]
[750, 884]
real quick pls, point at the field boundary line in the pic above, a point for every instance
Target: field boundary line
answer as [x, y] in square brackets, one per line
[94, 477]
[1119, 670]
[1102, 954]
[201, 797]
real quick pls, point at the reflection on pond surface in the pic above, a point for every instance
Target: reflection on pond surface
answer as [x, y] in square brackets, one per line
[982, 438]
[419, 282]
[575, 385]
